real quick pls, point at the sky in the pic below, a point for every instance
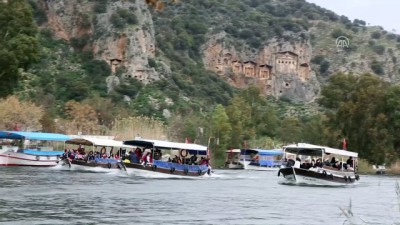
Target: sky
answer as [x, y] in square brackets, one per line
[384, 13]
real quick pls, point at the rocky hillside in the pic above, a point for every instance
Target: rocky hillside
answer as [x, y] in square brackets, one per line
[185, 55]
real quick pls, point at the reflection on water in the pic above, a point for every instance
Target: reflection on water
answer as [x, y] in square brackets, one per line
[51, 196]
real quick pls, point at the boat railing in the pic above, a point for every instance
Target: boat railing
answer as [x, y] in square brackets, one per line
[181, 167]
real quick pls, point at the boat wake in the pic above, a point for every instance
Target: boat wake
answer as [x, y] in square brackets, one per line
[291, 183]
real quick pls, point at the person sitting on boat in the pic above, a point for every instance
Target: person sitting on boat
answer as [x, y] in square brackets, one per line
[290, 163]
[138, 153]
[133, 158]
[116, 156]
[204, 161]
[90, 156]
[177, 160]
[349, 162]
[333, 162]
[193, 159]
[297, 163]
[318, 163]
[65, 154]
[150, 158]
[157, 154]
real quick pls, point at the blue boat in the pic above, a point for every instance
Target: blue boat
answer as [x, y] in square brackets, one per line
[261, 159]
[190, 160]
[16, 148]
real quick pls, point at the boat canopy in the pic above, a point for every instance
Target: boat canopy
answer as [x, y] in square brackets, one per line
[168, 145]
[262, 152]
[97, 142]
[315, 150]
[233, 151]
[33, 136]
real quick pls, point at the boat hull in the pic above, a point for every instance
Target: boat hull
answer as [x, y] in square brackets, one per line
[321, 177]
[261, 168]
[248, 166]
[233, 166]
[91, 166]
[139, 169]
[22, 159]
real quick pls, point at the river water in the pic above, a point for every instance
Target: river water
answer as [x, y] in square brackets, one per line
[51, 196]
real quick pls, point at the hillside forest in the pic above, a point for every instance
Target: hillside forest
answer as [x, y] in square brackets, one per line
[52, 85]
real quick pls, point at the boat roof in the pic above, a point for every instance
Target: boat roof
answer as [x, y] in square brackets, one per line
[4, 134]
[263, 151]
[233, 151]
[148, 143]
[309, 149]
[88, 141]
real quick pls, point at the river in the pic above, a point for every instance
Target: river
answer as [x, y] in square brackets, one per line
[51, 196]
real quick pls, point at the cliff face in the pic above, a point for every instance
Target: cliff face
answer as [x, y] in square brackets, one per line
[279, 68]
[287, 49]
[128, 47]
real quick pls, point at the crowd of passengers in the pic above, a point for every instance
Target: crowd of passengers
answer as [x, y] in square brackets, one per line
[318, 163]
[137, 156]
[80, 154]
[134, 156]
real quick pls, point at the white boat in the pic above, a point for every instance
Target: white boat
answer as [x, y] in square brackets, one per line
[379, 169]
[154, 164]
[261, 159]
[97, 157]
[18, 149]
[318, 165]
[233, 159]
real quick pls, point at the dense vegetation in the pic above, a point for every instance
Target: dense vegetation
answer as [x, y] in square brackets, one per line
[18, 43]
[69, 85]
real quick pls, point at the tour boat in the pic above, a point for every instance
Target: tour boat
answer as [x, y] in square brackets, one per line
[318, 165]
[261, 159]
[17, 148]
[233, 159]
[98, 157]
[147, 158]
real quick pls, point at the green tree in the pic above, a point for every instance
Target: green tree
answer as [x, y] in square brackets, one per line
[221, 130]
[239, 113]
[357, 112]
[18, 42]
[290, 130]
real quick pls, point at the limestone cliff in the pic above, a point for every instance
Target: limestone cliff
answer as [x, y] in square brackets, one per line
[279, 68]
[286, 48]
[128, 47]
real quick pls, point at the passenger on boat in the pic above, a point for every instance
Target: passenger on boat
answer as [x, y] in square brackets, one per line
[193, 159]
[204, 161]
[157, 154]
[290, 163]
[297, 163]
[133, 158]
[150, 157]
[312, 163]
[318, 163]
[65, 154]
[177, 160]
[90, 156]
[333, 162]
[350, 162]
[138, 153]
[116, 156]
